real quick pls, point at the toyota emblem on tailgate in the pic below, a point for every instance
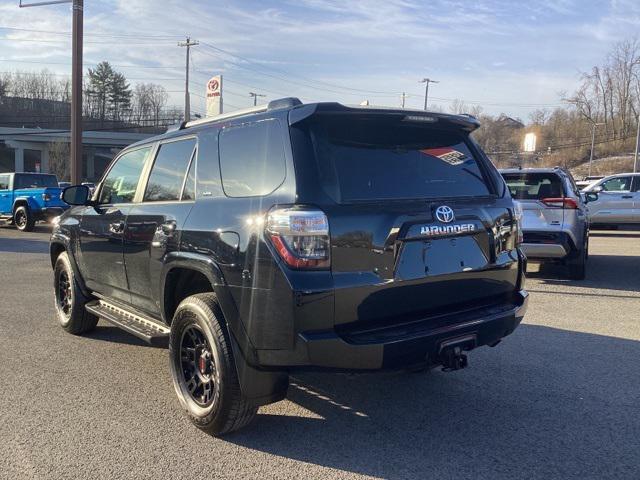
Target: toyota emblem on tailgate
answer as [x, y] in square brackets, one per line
[445, 214]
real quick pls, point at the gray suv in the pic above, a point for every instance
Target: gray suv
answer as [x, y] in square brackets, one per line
[554, 220]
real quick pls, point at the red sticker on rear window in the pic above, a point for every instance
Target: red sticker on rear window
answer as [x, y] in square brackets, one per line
[446, 154]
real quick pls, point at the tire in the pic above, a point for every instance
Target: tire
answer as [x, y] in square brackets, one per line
[23, 219]
[203, 368]
[577, 265]
[69, 299]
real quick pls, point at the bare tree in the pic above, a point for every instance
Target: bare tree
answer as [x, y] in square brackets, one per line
[59, 160]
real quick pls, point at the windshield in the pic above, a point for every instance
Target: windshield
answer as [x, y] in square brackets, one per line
[381, 159]
[34, 181]
[534, 186]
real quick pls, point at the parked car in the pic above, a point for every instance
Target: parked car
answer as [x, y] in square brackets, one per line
[27, 198]
[294, 236]
[586, 181]
[64, 185]
[618, 200]
[555, 224]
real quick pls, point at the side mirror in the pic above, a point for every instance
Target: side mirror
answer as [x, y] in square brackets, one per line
[597, 189]
[76, 195]
[590, 197]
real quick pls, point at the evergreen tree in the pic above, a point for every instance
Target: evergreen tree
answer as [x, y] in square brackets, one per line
[99, 88]
[119, 96]
[108, 93]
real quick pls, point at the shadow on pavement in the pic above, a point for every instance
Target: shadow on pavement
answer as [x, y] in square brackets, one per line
[13, 245]
[567, 406]
[607, 272]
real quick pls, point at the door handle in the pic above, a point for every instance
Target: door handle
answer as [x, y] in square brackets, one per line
[627, 196]
[116, 227]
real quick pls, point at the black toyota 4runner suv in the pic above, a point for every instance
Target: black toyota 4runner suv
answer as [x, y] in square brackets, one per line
[294, 236]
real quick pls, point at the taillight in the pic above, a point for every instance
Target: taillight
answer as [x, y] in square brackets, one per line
[517, 213]
[563, 202]
[300, 236]
[46, 197]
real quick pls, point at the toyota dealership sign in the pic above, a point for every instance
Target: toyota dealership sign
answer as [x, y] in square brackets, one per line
[214, 96]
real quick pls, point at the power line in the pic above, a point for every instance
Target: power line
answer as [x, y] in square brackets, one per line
[93, 34]
[93, 64]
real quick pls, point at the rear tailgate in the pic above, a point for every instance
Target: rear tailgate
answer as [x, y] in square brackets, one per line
[382, 179]
[387, 271]
[53, 197]
[531, 190]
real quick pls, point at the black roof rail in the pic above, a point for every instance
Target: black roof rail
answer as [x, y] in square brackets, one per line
[176, 126]
[278, 104]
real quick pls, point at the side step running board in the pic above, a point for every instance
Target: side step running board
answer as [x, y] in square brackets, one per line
[151, 331]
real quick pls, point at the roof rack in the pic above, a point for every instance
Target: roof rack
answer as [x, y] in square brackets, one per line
[278, 104]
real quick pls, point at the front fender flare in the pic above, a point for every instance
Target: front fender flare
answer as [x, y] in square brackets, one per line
[60, 239]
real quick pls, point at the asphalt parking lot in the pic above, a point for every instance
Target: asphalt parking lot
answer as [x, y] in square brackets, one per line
[560, 398]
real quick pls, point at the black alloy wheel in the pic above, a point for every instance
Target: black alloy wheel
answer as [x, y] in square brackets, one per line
[199, 372]
[20, 219]
[64, 293]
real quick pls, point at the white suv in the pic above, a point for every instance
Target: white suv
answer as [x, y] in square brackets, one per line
[618, 200]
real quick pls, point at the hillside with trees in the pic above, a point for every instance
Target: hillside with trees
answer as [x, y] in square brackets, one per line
[42, 99]
[607, 101]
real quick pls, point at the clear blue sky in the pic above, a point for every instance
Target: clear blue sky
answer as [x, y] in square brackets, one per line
[510, 56]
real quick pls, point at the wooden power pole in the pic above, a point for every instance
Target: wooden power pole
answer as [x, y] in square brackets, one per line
[76, 82]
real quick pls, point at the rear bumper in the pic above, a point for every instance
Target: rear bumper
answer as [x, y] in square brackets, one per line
[540, 244]
[541, 250]
[398, 345]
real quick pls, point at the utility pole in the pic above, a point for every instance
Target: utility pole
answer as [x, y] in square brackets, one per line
[76, 82]
[593, 141]
[635, 155]
[187, 99]
[403, 96]
[255, 97]
[427, 81]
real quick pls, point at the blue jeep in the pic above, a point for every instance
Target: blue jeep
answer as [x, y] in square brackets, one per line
[27, 198]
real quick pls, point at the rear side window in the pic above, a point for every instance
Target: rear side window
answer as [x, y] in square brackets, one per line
[378, 159]
[534, 186]
[169, 170]
[121, 183]
[34, 181]
[4, 182]
[252, 161]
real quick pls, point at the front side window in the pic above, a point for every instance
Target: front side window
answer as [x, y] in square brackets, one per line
[618, 184]
[121, 182]
[252, 161]
[168, 172]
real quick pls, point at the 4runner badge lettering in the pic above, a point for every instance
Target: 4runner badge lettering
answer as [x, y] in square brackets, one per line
[435, 230]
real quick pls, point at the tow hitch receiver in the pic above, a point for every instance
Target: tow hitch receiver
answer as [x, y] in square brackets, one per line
[451, 352]
[453, 359]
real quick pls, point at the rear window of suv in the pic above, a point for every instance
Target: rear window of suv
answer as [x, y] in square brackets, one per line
[534, 185]
[34, 181]
[379, 159]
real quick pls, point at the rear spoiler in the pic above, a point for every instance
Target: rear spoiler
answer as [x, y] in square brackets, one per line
[466, 123]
